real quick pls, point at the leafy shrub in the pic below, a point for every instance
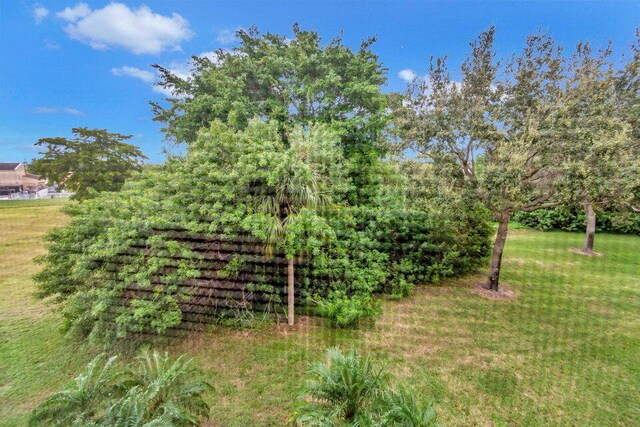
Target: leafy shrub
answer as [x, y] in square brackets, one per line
[349, 390]
[157, 390]
[114, 268]
[574, 219]
[344, 311]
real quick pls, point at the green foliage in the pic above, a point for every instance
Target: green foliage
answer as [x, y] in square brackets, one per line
[81, 402]
[290, 81]
[344, 311]
[599, 157]
[94, 161]
[348, 390]
[401, 407]
[573, 219]
[248, 182]
[341, 390]
[93, 260]
[157, 390]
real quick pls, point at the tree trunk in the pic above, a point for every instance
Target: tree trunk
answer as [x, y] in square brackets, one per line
[591, 229]
[290, 292]
[498, 248]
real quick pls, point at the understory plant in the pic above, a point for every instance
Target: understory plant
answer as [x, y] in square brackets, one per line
[348, 390]
[156, 390]
[345, 311]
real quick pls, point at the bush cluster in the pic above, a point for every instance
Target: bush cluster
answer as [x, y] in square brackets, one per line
[116, 274]
[389, 251]
[574, 219]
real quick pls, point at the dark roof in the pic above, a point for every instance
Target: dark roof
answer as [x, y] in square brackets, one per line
[8, 166]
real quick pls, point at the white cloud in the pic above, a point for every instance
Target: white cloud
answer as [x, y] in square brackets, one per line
[74, 13]
[227, 37]
[58, 110]
[162, 90]
[408, 75]
[144, 75]
[116, 25]
[39, 13]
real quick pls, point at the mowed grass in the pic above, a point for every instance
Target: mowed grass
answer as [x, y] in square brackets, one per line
[35, 358]
[564, 351]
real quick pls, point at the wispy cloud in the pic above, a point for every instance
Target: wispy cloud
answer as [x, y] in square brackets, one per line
[51, 44]
[408, 75]
[74, 13]
[226, 37]
[117, 26]
[181, 69]
[39, 13]
[58, 110]
[144, 75]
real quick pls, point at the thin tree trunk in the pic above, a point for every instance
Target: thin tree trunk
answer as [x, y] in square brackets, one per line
[498, 249]
[591, 229]
[290, 291]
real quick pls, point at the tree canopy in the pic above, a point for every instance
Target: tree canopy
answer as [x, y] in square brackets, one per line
[493, 137]
[291, 81]
[94, 160]
[598, 159]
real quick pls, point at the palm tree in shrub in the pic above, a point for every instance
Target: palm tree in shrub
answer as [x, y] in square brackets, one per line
[157, 390]
[295, 191]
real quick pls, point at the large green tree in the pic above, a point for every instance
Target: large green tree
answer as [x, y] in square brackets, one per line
[290, 81]
[94, 159]
[597, 151]
[493, 138]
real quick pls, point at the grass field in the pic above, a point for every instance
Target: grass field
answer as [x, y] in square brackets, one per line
[564, 351]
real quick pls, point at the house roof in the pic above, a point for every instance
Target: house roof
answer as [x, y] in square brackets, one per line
[9, 166]
[30, 175]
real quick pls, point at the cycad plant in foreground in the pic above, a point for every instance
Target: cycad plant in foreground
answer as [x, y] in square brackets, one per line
[83, 401]
[348, 390]
[157, 390]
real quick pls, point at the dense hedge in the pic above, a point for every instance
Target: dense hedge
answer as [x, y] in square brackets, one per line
[351, 252]
[574, 219]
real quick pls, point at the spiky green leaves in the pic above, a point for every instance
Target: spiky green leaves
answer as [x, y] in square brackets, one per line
[156, 390]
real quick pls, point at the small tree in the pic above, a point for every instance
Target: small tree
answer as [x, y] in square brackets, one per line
[295, 189]
[597, 152]
[94, 159]
[493, 138]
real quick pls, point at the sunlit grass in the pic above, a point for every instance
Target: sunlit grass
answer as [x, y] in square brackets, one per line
[565, 351]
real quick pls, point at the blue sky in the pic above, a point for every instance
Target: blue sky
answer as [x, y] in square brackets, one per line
[66, 64]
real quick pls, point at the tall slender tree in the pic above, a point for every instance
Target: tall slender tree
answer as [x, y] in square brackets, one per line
[300, 185]
[493, 137]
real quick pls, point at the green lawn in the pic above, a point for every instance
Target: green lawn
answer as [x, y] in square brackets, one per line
[565, 351]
